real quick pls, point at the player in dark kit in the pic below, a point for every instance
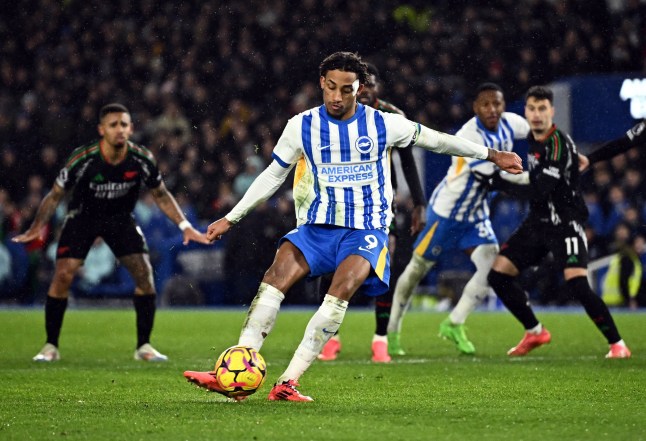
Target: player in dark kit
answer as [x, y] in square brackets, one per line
[554, 224]
[381, 346]
[105, 178]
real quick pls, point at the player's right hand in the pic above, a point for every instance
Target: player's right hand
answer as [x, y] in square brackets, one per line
[215, 231]
[27, 236]
[507, 161]
[418, 219]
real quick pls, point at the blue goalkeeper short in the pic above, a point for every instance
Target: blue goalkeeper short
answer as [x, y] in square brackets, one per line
[326, 246]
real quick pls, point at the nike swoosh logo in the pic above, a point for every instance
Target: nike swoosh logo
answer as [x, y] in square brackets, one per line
[365, 249]
[323, 147]
[328, 332]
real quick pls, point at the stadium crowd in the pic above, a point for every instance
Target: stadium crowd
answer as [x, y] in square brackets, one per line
[211, 84]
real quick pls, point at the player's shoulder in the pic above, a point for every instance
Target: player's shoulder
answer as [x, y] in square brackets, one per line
[389, 118]
[470, 130]
[82, 153]
[514, 118]
[562, 136]
[141, 151]
[517, 123]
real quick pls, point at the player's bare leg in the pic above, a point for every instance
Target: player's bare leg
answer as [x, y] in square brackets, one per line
[55, 306]
[145, 298]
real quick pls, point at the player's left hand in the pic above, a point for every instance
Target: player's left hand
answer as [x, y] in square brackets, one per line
[28, 236]
[507, 161]
[418, 219]
[191, 234]
[217, 229]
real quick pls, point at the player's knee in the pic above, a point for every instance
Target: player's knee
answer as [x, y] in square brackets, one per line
[499, 282]
[484, 256]
[579, 289]
[276, 279]
[64, 277]
[420, 264]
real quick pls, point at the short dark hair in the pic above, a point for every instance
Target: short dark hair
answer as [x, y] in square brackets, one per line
[372, 70]
[540, 93]
[112, 108]
[346, 62]
[484, 87]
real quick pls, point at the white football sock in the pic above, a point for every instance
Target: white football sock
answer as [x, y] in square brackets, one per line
[261, 316]
[321, 327]
[409, 279]
[378, 337]
[536, 329]
[477, 288]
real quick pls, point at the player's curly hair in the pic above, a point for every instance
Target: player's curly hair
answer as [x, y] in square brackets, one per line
[112, 108]
[346, 62]
[540, 93]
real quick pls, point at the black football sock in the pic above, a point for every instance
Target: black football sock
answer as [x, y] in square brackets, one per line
[511, 294]
[383, 304]
[145, 311]
[579, 288]
[54, 313]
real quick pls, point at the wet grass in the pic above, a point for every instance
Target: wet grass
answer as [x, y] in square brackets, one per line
[565, 391]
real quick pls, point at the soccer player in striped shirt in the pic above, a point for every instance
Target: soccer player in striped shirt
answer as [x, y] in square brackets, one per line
[104, 179]
[458, 219]
[343, 208]
[383, 303]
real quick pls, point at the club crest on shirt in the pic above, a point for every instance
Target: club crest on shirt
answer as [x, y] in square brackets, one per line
[364, 144]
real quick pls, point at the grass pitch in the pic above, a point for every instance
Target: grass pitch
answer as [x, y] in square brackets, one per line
[563, 391]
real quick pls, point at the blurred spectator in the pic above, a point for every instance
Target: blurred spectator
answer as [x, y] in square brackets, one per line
[253, 167]
[211, 83]
[623, 281]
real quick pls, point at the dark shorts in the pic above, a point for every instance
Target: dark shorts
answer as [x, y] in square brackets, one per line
[120, 233]
[533, 240]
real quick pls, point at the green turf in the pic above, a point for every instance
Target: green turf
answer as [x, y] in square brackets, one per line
[564, 391]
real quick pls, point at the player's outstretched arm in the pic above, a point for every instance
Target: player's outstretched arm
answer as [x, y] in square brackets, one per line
[439, 142]
[45, 211]
[635, 137]
[167, 203]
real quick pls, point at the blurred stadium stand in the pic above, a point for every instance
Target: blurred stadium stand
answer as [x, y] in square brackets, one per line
[211, 84]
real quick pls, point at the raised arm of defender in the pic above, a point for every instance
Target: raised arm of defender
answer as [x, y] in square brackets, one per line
[439, 142]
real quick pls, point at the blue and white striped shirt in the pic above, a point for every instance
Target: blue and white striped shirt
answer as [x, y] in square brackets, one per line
[343, 177]
[459, 196]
